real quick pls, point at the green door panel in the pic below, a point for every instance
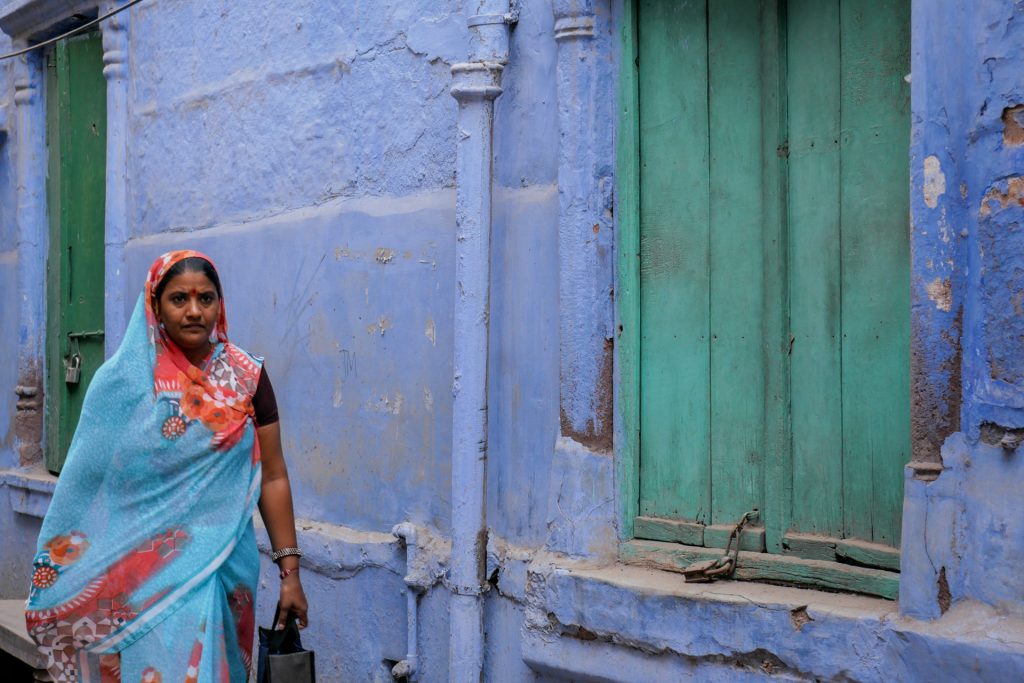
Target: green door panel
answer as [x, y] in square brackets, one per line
[76, 118]
[709, 98]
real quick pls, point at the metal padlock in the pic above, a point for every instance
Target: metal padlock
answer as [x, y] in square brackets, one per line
[73, 368]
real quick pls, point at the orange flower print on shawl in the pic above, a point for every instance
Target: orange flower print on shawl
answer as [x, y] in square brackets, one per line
[218, 396]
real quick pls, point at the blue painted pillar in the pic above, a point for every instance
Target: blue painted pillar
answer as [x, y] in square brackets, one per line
[585, 244]
[963, 535]
[30, 170]
[115, 69]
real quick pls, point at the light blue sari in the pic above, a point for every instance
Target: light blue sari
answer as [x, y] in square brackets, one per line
[146, 565]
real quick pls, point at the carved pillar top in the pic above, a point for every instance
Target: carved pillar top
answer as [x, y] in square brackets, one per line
[26, 78]
[574, 26]
[115, 47]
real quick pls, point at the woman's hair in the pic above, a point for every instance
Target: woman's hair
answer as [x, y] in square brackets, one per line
[192, 264]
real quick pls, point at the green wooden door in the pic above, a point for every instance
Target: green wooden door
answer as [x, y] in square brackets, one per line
[76, 115]
[772, 128]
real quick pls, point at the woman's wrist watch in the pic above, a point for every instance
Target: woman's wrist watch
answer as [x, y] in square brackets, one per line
[285, 552]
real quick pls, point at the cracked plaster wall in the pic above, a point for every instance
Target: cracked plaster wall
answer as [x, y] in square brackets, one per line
[962, 534]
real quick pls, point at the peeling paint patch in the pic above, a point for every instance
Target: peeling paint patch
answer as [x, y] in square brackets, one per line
[934, 181]
[387, 404]
[996, 199]
[28, 416]
[431, 331]
[428, 399]
[800, 617]
[940, 293]
[336, 400]
[381, 326]
[1013, 131]
[597, 433]
[944, 596]
[384, 255]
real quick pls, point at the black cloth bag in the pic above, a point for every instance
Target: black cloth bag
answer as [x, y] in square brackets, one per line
[281, 657]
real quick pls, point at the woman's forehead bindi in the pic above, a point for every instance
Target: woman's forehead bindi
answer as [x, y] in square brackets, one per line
[191, 283]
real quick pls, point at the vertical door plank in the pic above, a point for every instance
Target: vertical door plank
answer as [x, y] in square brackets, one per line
[674, 480]
[875, 265]
[736, 216]
[778, 482]
[817, 428]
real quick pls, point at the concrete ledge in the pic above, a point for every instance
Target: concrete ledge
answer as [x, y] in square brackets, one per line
[30, 490]
[593, 620]
[14, 639]
[19, 18]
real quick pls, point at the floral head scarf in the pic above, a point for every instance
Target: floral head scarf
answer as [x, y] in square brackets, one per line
[219, 395]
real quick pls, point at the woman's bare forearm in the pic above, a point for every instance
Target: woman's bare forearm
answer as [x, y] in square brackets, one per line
[279, 517]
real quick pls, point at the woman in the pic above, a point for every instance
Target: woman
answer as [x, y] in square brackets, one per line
[147, 565]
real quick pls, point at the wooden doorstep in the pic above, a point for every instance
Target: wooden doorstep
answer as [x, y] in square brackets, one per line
[765, 567]
[850, 551]
[691, 533]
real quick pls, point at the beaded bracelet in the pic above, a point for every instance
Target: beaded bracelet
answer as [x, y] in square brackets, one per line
[284, 552]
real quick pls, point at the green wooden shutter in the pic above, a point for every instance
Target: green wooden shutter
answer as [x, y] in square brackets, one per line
[713, 84]
[76, 106]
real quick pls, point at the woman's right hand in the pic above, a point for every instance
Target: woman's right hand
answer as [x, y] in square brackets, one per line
[293, 599]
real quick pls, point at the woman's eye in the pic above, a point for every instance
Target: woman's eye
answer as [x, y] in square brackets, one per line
[177, 298]
[207, 299]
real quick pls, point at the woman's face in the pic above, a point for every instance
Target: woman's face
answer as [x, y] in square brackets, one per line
[189, 308]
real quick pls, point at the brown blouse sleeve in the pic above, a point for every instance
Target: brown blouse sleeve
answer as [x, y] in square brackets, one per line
[264, 402]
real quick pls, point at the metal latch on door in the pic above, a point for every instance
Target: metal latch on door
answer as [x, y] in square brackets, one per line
[706, 571]
[73, 361]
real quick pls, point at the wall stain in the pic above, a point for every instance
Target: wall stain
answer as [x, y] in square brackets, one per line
[28, 418]
[597, 439]
[935, 405]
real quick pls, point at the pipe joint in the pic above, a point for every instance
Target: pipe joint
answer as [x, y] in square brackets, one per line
[475, 81]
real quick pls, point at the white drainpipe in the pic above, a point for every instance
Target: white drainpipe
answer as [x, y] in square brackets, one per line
[476, 84]
[408, 668]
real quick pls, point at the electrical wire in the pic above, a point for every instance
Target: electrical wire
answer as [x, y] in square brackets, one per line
[73, 32]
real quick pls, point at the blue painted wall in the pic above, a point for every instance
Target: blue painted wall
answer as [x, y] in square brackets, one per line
[309, 148]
